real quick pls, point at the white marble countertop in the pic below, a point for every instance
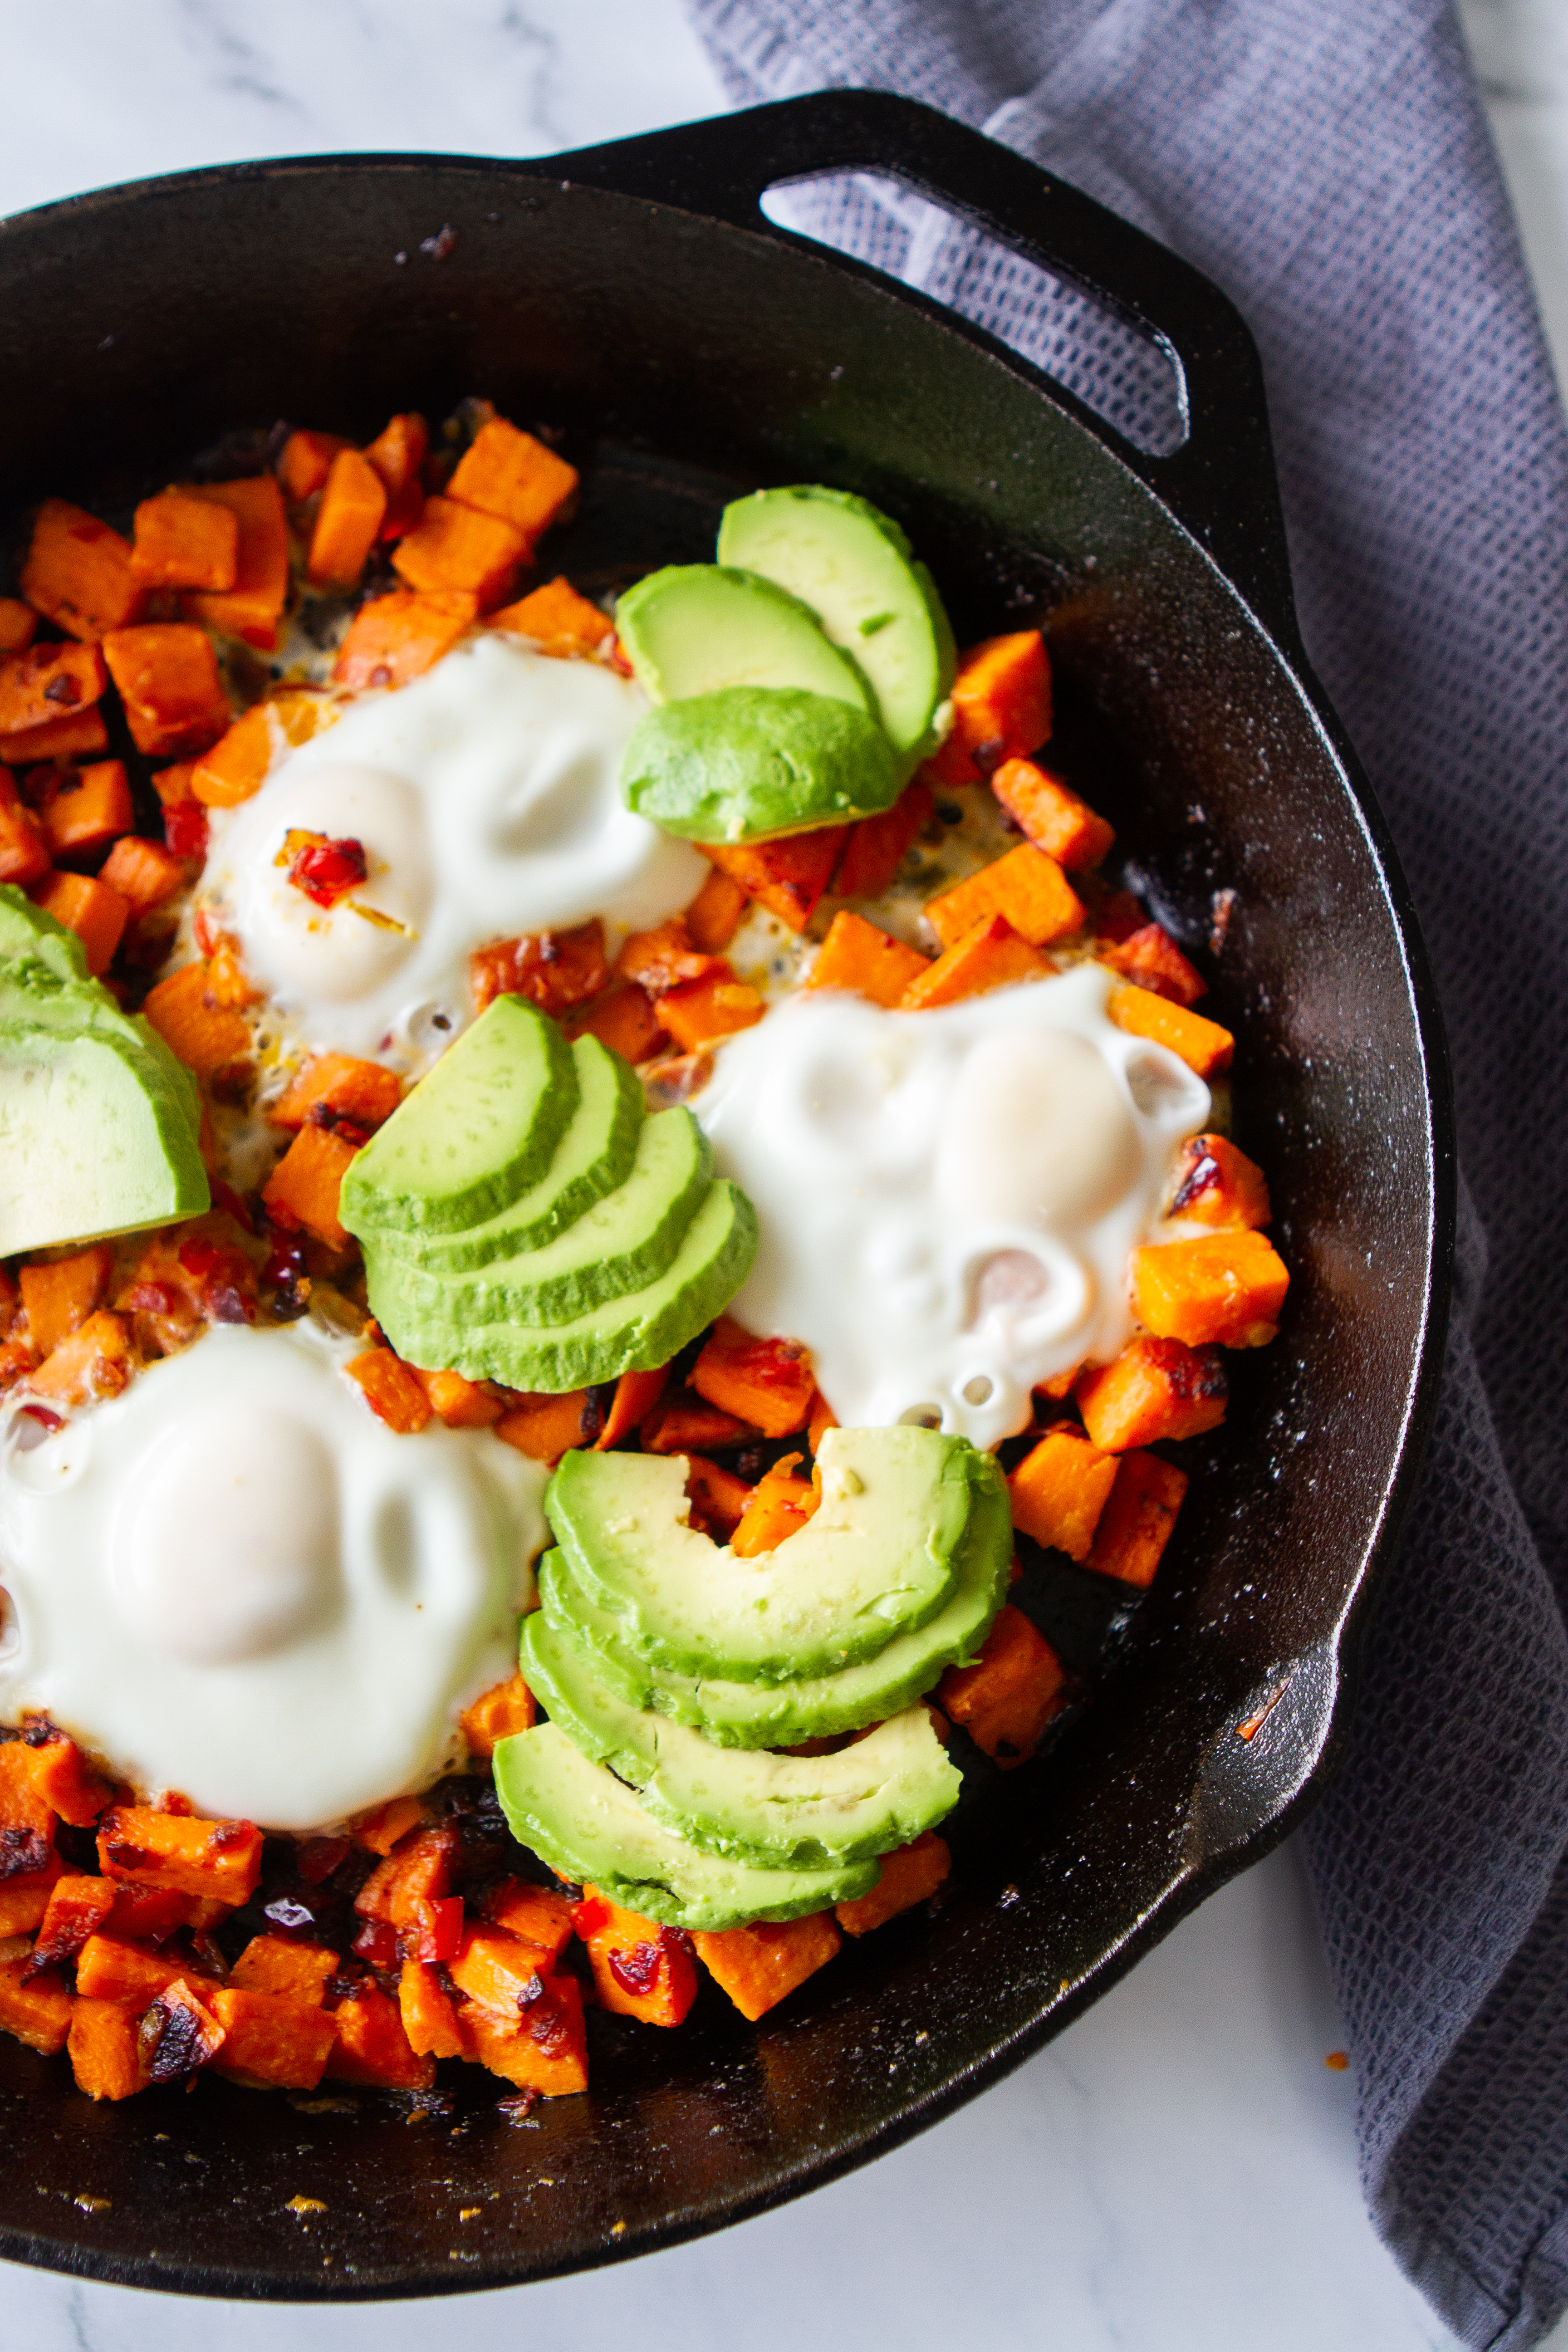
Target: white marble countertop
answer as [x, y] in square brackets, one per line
[1178, 2169]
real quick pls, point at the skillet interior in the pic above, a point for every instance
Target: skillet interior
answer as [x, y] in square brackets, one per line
[681, 356]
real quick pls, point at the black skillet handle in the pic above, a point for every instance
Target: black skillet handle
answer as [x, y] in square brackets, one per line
[1220, 484]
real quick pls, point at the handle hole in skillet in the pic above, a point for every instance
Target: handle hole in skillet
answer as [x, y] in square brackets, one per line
[1128, 378]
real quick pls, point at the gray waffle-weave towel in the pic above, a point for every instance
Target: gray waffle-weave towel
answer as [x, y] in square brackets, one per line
[1328, 166]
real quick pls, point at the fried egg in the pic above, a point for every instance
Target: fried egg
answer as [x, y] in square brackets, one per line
[948, 1199]
[236, 1583]
[486, 801]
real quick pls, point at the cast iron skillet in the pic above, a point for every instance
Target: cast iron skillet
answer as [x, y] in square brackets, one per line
[634, 295]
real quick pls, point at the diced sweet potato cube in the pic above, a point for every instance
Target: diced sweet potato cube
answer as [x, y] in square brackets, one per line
[911, 1874]
[1202, 1043]
[1150, 957]
[496, 1714]
[67, 1781]
[498, 1970]
[373, 2046]
[1025, 886]
[86, 809]
[1138, 1519]
[684, 1423]
[546, 1427]
[78, 572]
[252, 608]
[206, 1036]
[398, 452]
[554, 969]
[392, 1391]
[663, 959]
[459, 1401]
[384, 1826]
[624, 1019]
[1218, 1185]
[306, 1183]
[718, 1498]
[640, 1970]
[855, 955]
[398, 637]
[76, 1908]
[1059, 1489]
[25, 1898]
[535, 1915]
[184, 542]
[714, 915]
[990, 956]
[700, 1012]
[48, 683]
[180, 1852]
[779, 1507]
[144, 872]
[93, 1364]
[544, 2049]
[636, 1393]
[1005, 1699]
[151, 1913]
[1155, 1389]
[557, 618]
[58, 1297]
[80, 735]
[105, 2050]
[363, 1093]
[272, 2040]
[1051, 814]
[788, 876]
[235, 768]
[306, 461]
[38, 2013]
[90, 908]
[24, 854]
[17, 624]
[768, 1383]
[1229, 1287]
[430, 2019]
[759, 1965]
[455, 547]
[109, 1970]
[168, 678]
[1001, 708]
[878, 846]
[348, 521]
[508, 473]
[281, 1964]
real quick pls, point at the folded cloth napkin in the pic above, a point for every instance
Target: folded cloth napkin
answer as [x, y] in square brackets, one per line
[1329, 167]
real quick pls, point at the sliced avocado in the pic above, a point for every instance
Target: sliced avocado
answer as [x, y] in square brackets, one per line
[754, 760]
[592, 1157]
[782, 1812]
[92, 1142]
[478, 1131]
[631, 1334]
[32, 992]
[853, 566]
[695, 627]
[25, 930]
[877, 1558]
[623, 1242]
[591, 1827]
[779, 1714]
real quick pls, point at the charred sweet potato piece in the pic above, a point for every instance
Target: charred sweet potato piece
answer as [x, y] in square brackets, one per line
[341, 1088]
[758, 1966]
[66, 1781]
[286, 1965]
[1051, 815]
[85, 809]
[1025, 886]
[911, 1874]
[546, 1427]
[184, 542]
[398, 637]
[430, 2019]
[454, 547]
[544, 2049]
[714, 915]
[304, 1187]
[1218, 1185]
[855, 955]
[150, 1915]
[206, 1036]
[640, 1970]
[253, 607]
[306, 462]
[180, 1852]
[24, 854]
[992, 955]
[179, 2031]
[17, 624]
[38, 2013]
[557, 618]
[499, 1971]
[1138, 1519]
[683, 1424]
[271, 2040]
[1202, 1043]
[109, 1970]
[392, 1389]
[700, 1012]
[507, 1707]
[348, 521]
[1151, 960]
[1229, 1287]
[535, 1915]
[90, 908]
[25, 1898]
[144, 873]
[168, 678]
[635, 1395]
[104, 2047]
[76, 1908]
[1061, 1488]
[508, 473]
[459, 1401]
[780, 1505]
[624, 1019]
[1155, 1389]
[1005, 1699]
[397, 453]
[93, 1364]
[1001, 708]
[554, 969]
[78, 572]
[49, 682]
[787, 875]
[373, 2046]
[878, 846]
[767, 1382]
[718, 1498]
[58, 1297]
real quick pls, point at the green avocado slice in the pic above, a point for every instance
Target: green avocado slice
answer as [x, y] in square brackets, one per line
[878, 1557]
[779, 1714]
[480, 1128]
[93, 1139]
[32, 992]
[749, 761]
[591, 1828]
[622, 1243]
[26, 931]
[695, 627]
[780, 1811]
[852, 564]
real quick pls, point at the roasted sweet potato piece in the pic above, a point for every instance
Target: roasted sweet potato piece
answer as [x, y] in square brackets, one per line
[105, 2050]
[1025, 886]
[1059, 1489]
[990, 956]
[459, 1401]
[373, 2047]
[168, 678]
[508, 473]
[1229, 1287]
[93, 1364]
[455, 547]
[767, 1382]
[408, 1890]
[348, 521]
[109, 1970]
[624, 1019]
[665, 958]
[554, 969]
[535, 1915]
[392, 1391]
[38, 2013]
[546, 1427]
[145, 873]
[25, 1897]
[545, 2049]
[17, 624]
[1202, 1043]
[180, 1852]
[397, 453]
[80, 735]
[787, 875]
[1051, 814]
[1138, 1519]
[385, 1826]
[283, 1964]
[1001, 708]
[635, 1395]
[64, 1779]
[270, 2041]
[855, 955]
[700, 1012]
[878, 846]
[718, 1498]
[1218, 1185]
[400, 636]
[683, 1424]
[85, 809]
[252, 608]
[499, 1971]
[714, 915]
[557, 618]
[911, 1874]
[430, 2019]
[235, 768]
[59, 1296]
[1005, 1699]
[91, 909]
[78, 572]
[758, 1966]
[76, 1908]
[24, 854]
[1155, 1389]
[779, 1507]
[48, 683]
[206, 1036]
[363, 1093]
[640, 1970]
[496, 1714]
[184, 542]
[306, 462]
[1150, 957]
[179, 2033]
[305, 1185]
